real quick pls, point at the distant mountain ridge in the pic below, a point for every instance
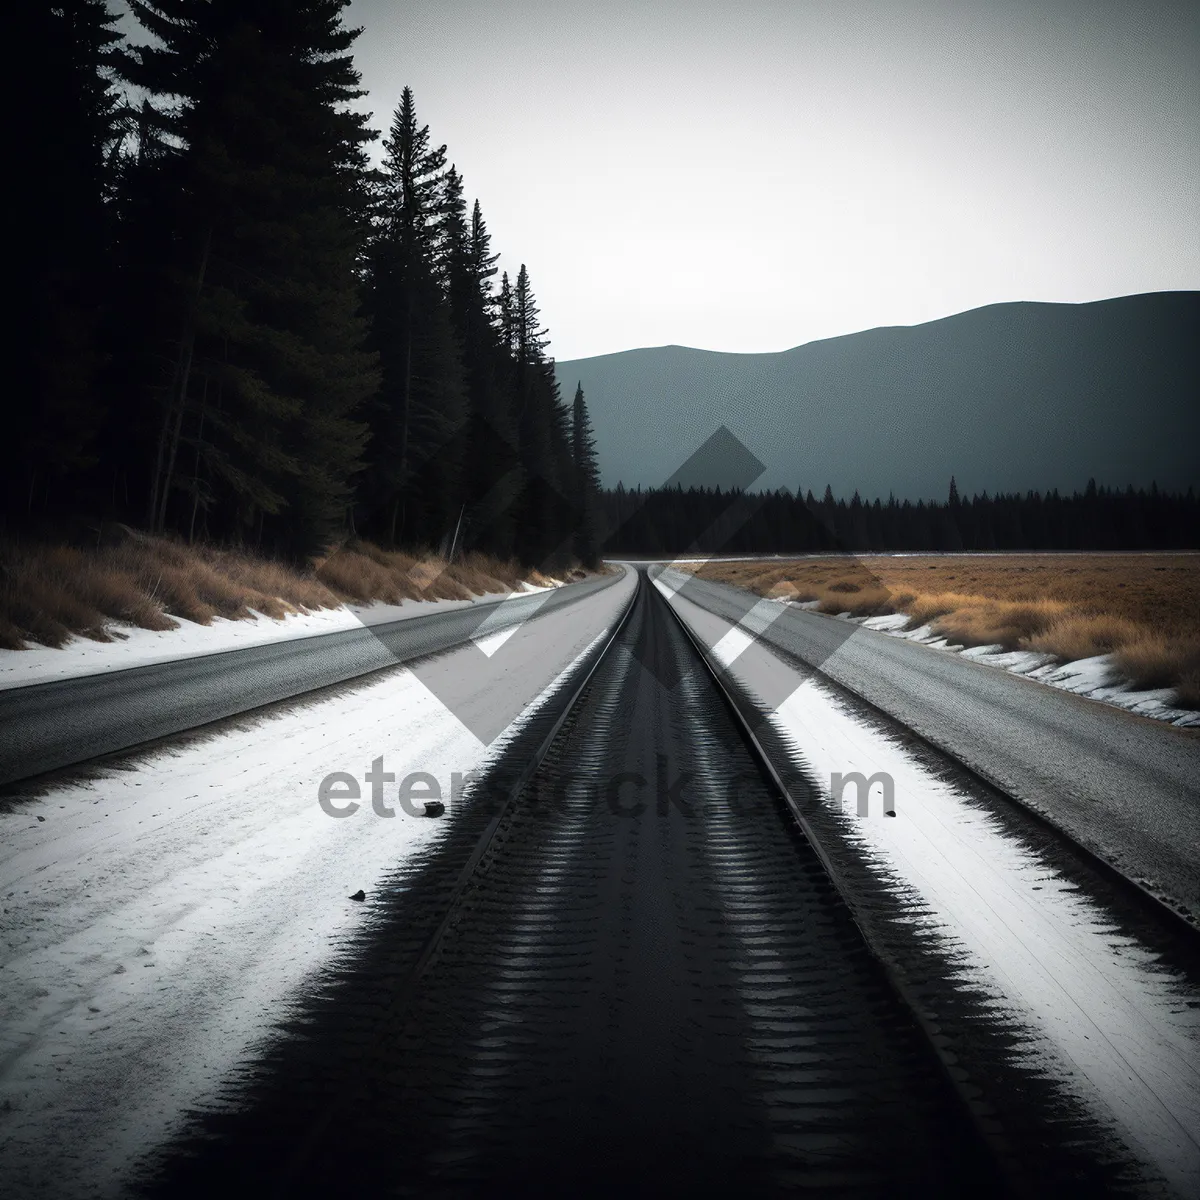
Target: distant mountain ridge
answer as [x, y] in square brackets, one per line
[1010, 397]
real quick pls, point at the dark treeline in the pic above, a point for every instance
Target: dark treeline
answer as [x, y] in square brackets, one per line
[658, 522]
[239, 330]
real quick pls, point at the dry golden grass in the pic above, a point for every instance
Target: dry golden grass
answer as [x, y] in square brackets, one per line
[1153, 660]
[1071, 636]
[49, 593]
[1144, 609]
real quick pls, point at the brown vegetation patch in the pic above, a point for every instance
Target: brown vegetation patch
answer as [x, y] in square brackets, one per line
[50, 593]
[1144, 609]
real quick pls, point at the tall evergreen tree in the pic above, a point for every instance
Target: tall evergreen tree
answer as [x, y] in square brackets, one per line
[142, 326]
[415, 458]
[543, 429]
[504, 306]
[492, 473]
[529, 338]
[587, 481]
[62, 182]
[203, 261]
[482, 265]
[264, 377]
[454, 245]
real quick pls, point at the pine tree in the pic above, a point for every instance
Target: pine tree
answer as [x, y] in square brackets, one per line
[504, 305]
[266, 372]
[65, 141]
[141, 326]
[454, 245]
[482, 263]
[414, 481]
[543, 430]
[529, 338]
[587, 481]
[492, 475]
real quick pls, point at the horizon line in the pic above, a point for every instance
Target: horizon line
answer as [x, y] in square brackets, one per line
[877, 328]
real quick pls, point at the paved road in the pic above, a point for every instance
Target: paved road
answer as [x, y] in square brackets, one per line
[51, 725]
[1126, 787]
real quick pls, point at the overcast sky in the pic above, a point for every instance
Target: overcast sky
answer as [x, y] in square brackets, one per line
[750, 176]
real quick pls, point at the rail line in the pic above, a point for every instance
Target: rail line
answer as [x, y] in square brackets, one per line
[630, 965]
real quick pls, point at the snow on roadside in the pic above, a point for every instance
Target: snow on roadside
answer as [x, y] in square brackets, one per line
[1103, 1016]
[140, 647]
[156, 920]
[1096, 678]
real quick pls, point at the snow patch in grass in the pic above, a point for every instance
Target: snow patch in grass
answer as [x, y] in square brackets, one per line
[1097, 678]
[889, 622]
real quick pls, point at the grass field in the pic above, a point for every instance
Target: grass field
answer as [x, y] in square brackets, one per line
[49, 593]
[1144, 609]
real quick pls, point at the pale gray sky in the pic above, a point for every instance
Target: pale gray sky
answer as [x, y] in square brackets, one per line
[750, 176]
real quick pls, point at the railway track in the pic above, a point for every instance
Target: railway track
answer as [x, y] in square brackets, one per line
[628, 967]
